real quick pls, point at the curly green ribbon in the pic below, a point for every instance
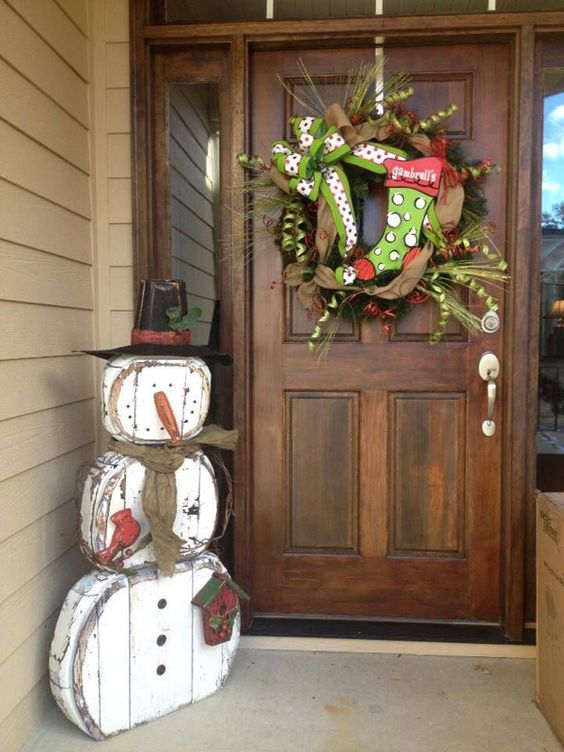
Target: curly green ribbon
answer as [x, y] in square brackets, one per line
[294, 232]
[332, 307]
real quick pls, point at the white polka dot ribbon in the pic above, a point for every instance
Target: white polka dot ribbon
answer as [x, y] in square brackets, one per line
[315, 167]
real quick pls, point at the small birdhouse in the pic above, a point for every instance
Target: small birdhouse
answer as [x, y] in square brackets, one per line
[219, 601]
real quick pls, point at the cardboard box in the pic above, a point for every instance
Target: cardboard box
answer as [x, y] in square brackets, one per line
[550, 609]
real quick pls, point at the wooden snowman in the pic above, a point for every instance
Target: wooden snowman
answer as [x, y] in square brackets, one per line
[155, 626]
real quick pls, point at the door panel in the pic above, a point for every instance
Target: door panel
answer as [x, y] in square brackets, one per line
[375, 491]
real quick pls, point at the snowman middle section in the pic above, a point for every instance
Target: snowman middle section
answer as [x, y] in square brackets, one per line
[114, 532]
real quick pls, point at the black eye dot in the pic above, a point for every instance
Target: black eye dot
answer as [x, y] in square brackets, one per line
[170, 384]
[162, 603]
[162, 429]
[147, 429]
[135, 426]
[191, 412]
[129, 416]
[127, 406]
[161, 669]
[154, 385]
[195, 402]
[186, 421]
[161, 639]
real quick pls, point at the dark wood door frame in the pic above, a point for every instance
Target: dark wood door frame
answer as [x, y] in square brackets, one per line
[523, 32]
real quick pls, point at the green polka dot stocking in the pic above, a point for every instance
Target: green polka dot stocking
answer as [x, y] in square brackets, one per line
[412, 188]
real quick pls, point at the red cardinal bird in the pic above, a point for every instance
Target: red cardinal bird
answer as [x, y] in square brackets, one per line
[126, 531]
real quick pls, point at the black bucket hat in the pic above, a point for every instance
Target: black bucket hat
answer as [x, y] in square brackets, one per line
[152, 333]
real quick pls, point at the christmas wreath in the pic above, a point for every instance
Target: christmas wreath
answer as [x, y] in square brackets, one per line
[435, 241]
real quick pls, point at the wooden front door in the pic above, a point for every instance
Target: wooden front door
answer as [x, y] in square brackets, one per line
[375, 491]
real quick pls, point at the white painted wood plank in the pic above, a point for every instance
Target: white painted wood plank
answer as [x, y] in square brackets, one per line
[55, 27]
[40, 331]
[37, 277]
[121, 288]
[30, 495]
[70, 643]
[121, 246]
[116, 20]
[26, 716]
[25, 667]
[87, 672]
[158, 607]
[119, 155]
[29, 54]
[28, 440]
[121, 324]
[117, 65]
[114, 668]
[114, 482]
[30, 550]
[29, 109]
[119, 200]
[154, 694]
[34, 222]
[118, 110]
[29, 165]
[129, 384]
[27, 608]
[77, 10]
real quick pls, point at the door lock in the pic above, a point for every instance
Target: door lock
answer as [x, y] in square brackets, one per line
[489, 368]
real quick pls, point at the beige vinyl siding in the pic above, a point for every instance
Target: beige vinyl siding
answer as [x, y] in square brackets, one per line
[112, 169]
[47, 302]
[192, 193]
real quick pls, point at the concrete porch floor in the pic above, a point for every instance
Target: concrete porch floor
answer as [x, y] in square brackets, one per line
[285, 701]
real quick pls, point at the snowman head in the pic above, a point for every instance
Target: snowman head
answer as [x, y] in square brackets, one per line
[153, 399]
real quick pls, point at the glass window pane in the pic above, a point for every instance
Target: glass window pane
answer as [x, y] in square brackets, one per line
[550, 435]
[506, 6]
[288, 9]
[200, 11]
[428, 7]
[194, 195]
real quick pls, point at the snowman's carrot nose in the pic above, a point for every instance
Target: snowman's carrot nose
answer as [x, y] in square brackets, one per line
[167, 416]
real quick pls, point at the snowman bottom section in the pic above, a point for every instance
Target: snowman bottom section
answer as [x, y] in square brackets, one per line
[114, 532]
[127, 650]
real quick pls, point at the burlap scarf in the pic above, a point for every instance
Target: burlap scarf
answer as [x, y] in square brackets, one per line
[448, 210]
[159, 490]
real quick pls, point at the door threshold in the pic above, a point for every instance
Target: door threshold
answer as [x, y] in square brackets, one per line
[393, 630]
[388, 647]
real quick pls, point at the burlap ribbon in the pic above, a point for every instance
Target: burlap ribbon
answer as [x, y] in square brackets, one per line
[159, 490]
[448, 209]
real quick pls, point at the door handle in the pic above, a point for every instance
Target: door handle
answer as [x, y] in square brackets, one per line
[489, 368]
